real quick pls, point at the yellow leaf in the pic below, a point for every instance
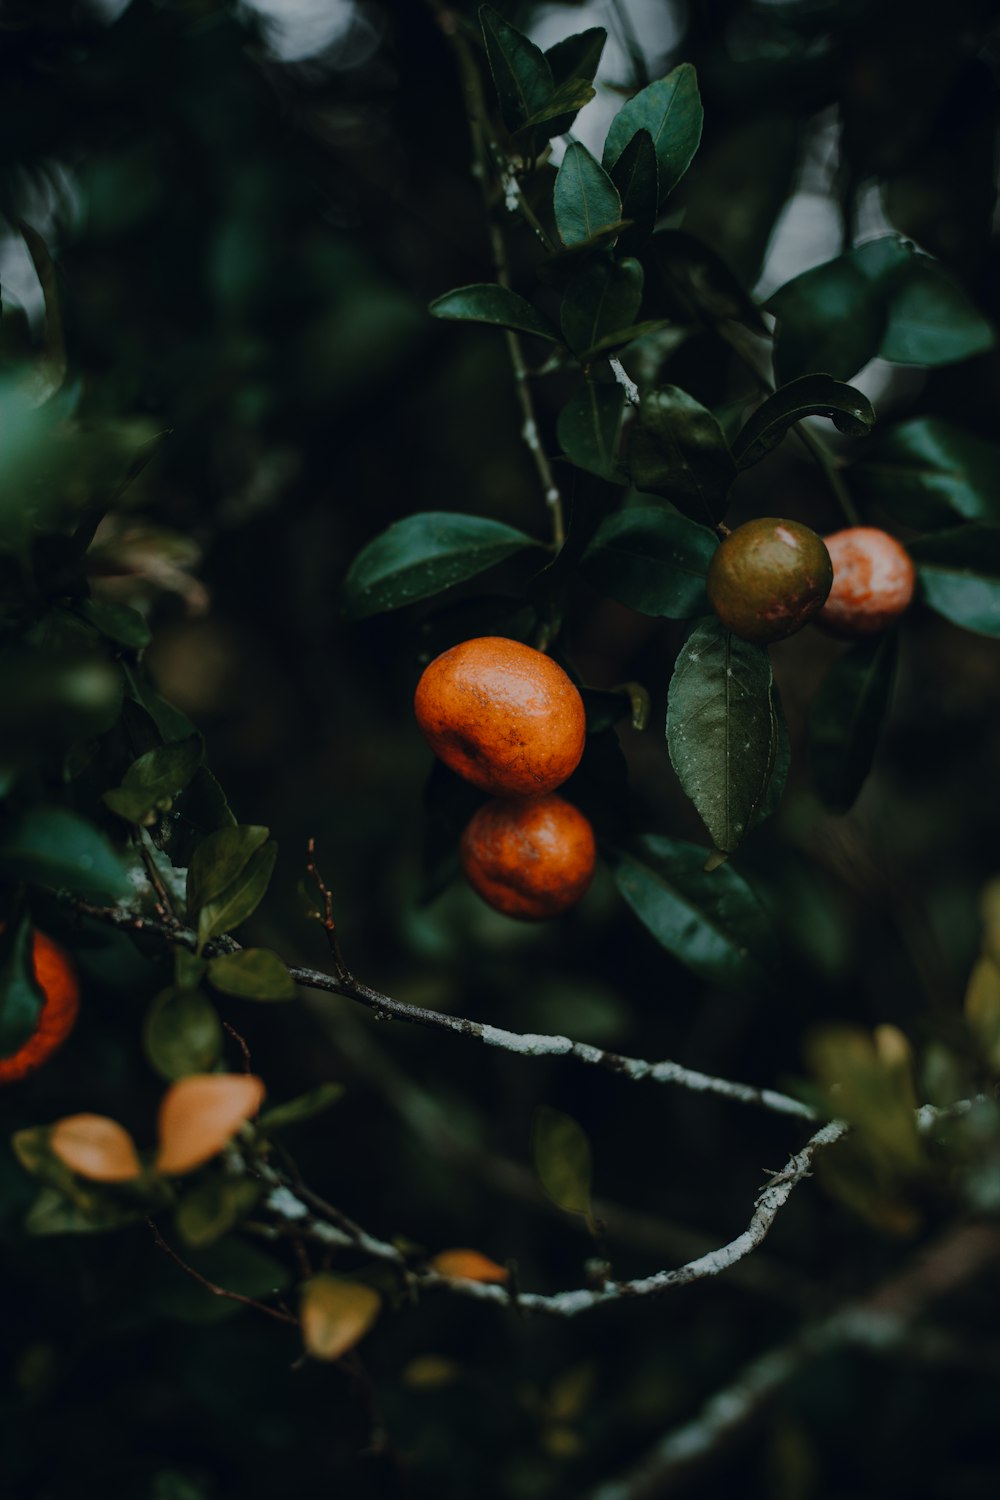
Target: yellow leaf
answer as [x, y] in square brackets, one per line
[982, 1005]
[200, 1114]
[95, 1147]
[430, 1372]
[468, 1265]
[336, 1315]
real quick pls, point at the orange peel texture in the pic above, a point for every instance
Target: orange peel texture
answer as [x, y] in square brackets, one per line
[873, 581]
[530, 858]
[769, 578]
[502, 715]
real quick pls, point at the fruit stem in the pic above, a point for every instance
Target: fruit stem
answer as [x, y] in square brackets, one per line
[487, 157]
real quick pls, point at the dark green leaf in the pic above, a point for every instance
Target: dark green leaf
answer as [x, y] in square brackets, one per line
[189, 969]
[611, 343]
[561, 1152]
[558, 270]
[116, 621]
[53, 847]
[182, 1033]
[959, 574]
[809, 396]
[846, 717]
[585, 199]
[670, 109]
[932, 320]
[602, 297]
[240, 899]
[49, 372]
[677, 449]
[20, 997]
[928, 472]
[305, 1107]
[210, 1208]
[231, 1263]
[253, 974]
[577, 56]
[702, 281]
[53, 1213]
[652, 559]
[486, 302]
[58, 692]
[522, 76]
[152, 782]
[218, 860]
[722, 729]
[713, 923]
[561, 110]
[832, 319]
[423, 554]
[588, 427]
[636, 176]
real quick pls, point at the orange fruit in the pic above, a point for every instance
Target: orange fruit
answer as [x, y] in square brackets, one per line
[873, 581]
[768, 579]
[55, 976]
[502, 715]
[529, 857]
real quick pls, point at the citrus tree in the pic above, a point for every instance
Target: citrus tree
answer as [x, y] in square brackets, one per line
[678, 861]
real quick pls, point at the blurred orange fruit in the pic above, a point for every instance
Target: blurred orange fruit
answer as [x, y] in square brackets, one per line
[529, 857]
[768, 579]
[503, 715]
[55, 976]
[873, 581]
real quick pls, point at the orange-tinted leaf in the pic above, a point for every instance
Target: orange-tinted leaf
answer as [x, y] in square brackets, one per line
[200, 1114]
[336, 1315]
[95, 1147]
[468, 1265]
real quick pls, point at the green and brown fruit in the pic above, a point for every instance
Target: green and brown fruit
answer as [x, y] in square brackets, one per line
[769, 578]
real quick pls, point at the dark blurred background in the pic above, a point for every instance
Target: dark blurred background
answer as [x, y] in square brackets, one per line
[250, 206]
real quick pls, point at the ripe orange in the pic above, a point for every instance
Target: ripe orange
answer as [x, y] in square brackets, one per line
[502, 715]
[873, 581]
[768, 578]
[529, 857]
[56, 978]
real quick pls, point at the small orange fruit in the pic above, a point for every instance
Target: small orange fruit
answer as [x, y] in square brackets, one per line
[55, 976]
[502, 715]
[768, 579]
[873, 581]
[529, 857]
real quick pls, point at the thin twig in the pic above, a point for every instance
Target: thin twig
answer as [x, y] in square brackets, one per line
[218, 1291]
[326, 916]
[241, 1043]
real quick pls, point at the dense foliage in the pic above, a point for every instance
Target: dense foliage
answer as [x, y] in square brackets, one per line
[317, 358]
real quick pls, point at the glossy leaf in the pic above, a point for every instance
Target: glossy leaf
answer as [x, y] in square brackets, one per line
[832, 318]
[589, 424]
[702, 281]
[959, 572]
[846, 718]
[336, 1315]
[809, 396]
[200, 1114]
[486, 302]
[521, 74]
[241, 898]
[652, 559]
[677, 449]
[561, 1153]
[305, 1107]
[562, 108]
[218, 860]
[713, 923]
[670, 110]
[585, 200]
[419, 556]
[252, 974]
[95, 1147]
[722, 729]
[20, 997]
[577, 56]
[182, 1033]
[53, 847]
[636, 176]
[152, 782]
[601, 298]
[928, 472]
[932, 320]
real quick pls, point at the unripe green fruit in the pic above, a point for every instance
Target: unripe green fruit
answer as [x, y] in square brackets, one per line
[768, 579]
